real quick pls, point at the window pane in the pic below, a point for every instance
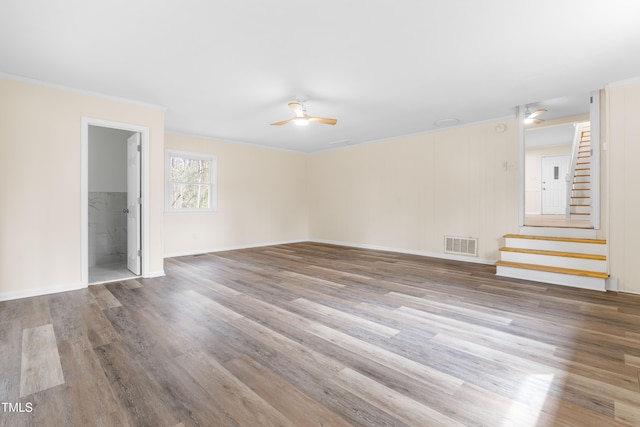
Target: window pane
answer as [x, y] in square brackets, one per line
[203, 172]
[177, 169]
[189, 196]
[189, 170]
[193, 170]
[204, 196]
[175, 196]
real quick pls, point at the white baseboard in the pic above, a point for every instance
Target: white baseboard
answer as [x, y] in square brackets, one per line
[230, 248]
[611, 284]
[27, 293]
[407, 251]
[153, 274]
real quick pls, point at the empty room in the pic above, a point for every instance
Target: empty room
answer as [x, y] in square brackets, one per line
[362, 213]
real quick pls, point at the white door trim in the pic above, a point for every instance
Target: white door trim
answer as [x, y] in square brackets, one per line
[84, 188]
[521, 162]
[594, 118]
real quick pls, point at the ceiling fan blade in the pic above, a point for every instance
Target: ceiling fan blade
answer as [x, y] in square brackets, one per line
[323, 120]
[297, 108]
[536, 113]
[284, 122]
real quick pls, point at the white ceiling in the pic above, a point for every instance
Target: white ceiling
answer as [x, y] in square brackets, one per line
[226, 69]
[550, 136]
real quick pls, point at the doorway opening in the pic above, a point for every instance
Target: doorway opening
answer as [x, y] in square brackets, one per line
[112, 211]
[560, 155]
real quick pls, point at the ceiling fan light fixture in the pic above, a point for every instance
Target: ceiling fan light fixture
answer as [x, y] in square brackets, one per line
[301, 118]
[531, 118]
[301, 121]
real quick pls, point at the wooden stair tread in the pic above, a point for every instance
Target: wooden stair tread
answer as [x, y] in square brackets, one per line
[555, 253]
[560, 270]
[556, 239]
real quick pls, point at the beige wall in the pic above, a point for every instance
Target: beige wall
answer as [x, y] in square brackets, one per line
[262, 199]
[408, 193]
[40, 180]
[623, 186]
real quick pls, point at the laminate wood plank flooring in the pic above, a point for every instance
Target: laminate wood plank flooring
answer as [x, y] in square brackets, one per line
[311, 334]
[40, 365]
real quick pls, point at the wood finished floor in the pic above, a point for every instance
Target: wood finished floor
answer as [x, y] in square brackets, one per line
[317, 335]
[556, 221]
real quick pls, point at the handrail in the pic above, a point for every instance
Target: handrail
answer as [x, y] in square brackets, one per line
[572, 169]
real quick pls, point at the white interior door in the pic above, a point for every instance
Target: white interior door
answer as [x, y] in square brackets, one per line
[554, 184]
[133, 204]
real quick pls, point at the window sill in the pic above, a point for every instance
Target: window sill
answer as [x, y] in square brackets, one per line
[190, 211]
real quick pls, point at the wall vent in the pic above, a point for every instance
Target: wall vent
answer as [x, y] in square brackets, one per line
[461, 245]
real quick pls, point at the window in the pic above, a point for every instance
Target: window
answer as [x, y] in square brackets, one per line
[191, 182]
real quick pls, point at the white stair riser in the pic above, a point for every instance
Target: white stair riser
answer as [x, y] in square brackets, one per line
[550, 245]
[555, 261]
[553, 278]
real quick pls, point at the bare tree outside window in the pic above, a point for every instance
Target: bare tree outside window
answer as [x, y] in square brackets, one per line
[191, 183]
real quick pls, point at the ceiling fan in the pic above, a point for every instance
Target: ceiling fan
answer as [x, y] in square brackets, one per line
[301, 118]
[532, 117]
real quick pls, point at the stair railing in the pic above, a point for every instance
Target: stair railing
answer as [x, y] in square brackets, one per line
[574, 160]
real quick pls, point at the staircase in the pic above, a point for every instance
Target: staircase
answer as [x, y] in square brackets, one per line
[579, 203]
[575, 262]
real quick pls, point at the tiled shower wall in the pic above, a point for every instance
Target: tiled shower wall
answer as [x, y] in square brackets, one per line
[107, 228]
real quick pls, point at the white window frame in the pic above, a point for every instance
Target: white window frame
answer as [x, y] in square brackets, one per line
[213, 189]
